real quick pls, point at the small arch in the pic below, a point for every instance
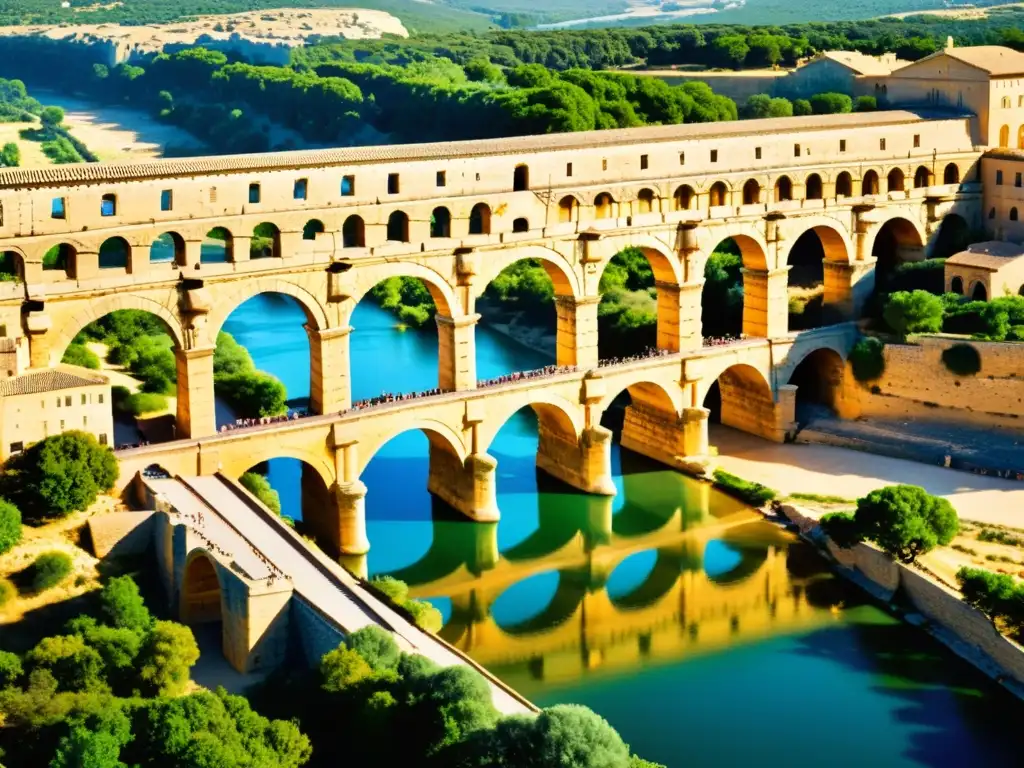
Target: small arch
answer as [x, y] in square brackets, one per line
[312, 228]
[353, 232]
[440, 436]
[59, 257]
[956, 285]
[521, 178]
[441, 222]
[11, 267]
[951, 173]
[218, 246]
[819, 378]
[316, 315]
[521, 225]
[751, 192]
[869, 184]
[684, 198]
[645, 201]
[894, 181]
[398, 227]
[266, 241]
[741, 397]
[783, 189]
[922, 177]
[1005, 102]
[992, 212]
[1020, 137]
[1004, 137]
[114, 253]
[480, 219]
[201, 594]
[979, 292]
[1013, 214]
[168, 247]
[813, 187]
[568, 209]
[718, 194]
[844, 185]
[604, 206]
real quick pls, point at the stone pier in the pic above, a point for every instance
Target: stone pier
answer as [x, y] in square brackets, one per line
[585, 464]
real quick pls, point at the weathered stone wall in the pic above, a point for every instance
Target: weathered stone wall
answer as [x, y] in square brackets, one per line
[655, 434]
[121, 533]
[916, 376]
[316, 633]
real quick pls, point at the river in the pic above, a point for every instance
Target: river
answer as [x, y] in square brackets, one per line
[704, 635]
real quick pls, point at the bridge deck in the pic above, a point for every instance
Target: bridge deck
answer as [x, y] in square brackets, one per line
[232, 524]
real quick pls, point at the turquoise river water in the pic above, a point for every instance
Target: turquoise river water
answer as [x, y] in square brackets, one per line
[704, 635]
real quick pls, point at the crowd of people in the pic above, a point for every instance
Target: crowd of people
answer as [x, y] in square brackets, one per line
[391, 397]
[719, 341]
[264, 420]
[539, 373]
[645, 355]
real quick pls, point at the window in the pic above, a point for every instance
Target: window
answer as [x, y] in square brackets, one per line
[17, 447]
[842, 145]
[62, 425]
[103, 438]
[348, 186]
[881, 144]
[714, 155]
[393, 184]
[300, 189]
[1005, 102]
[67, 401]
[521, 225]
[57, 210]
[213, 194]
[604, 165]
[101, 398]
[58, 402]
[1017, 180]
[992, 213]
[108, 205]
[643, 162]
[1020, 101]
[254, 193]
[1013, 214]
[568, 169]
[442, 178]
[83, 399]
[917, 140]
[166, 200]
[521, 178]
[85, 421]
[682, 158]
[796, 150]
[757, 153]
[478, 177]
[999, 178]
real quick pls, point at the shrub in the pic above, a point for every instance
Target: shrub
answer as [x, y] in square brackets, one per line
[81, 355]
[48, 570]
[395, 590]
[10, 669]
[997, 594]
[830, 104]
[842, 528]
[168, 655]
[1016, 333]
[259, 486]
[342, 668]
[123, 606]
[868, 359]
[139, 403]
[755, 494]
[10, 526]
[74, 665]
[801, 107]
[7, 591]
[426, 616]
[962, 359]
[252, 395]
[376, 645]
[925, 275]
[865, 104]
[914, 312]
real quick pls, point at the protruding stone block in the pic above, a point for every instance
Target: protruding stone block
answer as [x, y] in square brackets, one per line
[468, 486]
[330, 388]
[577, 331]
[585, 464]
[765, 302]
[196, 413]
[456, 354]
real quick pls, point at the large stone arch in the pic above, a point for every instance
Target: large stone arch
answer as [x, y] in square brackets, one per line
[747, 402]
[833, 234]
[201, 585]
[555, 415]
[238, 459]
[751, 242]
[95, 309]
[909, 233]
[799, 352]
[488, 264]
[365, 278]
[441, 436]
[236, 294]
[662, 257]
[644, 391]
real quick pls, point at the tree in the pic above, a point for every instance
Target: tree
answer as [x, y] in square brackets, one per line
[259, 486]
[831, 103]
[481, 69]
[865, 104]
[10, 669]
[914, 312]
[10, 526]
[567, 735]
[230, 357]
[51, 117]
[123, 606]
[802, 107]
[904, 520]
[59, 475]
[168, 655]
[376, 645]
[342, 668]
[74, 665]
[10, 155]
[252, 395]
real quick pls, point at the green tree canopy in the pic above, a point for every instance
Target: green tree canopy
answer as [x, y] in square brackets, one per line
[10, 526]
[914, 312]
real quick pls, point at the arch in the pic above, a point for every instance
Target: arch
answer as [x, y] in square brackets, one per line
[226, 303]
[12, 267]
[1004, 137]
[1005, 102]
[440, 435]
[202, 595]
[951, 173]
[441, 222]
[956, 285]
[218, 246]
[684, 198]
[922, 177]
[114, 253]
[644, 392]
[813, 187]
[1013, 214]
[661, 257]
[818, 375]
[783, 189]
[104, 305]
[312, 228]
[869, 184]
[168, 247]
[751, 192]
[844, 185]
[741, 377]
[520, 224]
[353, 232]
[1020, 137]
[604, 206]
[559, 269]
[750, 559]
[645, 201]
[752, 246]
[480, 219]
[60, 257]
[398, 227]
[441, 293]
[555, 415]
[978, 291]
[894, 182]
[521, 178]
[266, 241]
[835, 242]
[895, 240]
[568, 209]
[236, 463]
[718, 194]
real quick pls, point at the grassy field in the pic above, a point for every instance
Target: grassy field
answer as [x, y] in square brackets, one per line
[31, 151]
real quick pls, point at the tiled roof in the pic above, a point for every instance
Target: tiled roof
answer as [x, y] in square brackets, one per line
[60, 175]
[50, 380]
[997, 60]
[861, 63]
[992, 256]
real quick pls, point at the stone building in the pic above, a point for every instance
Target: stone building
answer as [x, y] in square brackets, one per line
[987, 271]
[836, 72]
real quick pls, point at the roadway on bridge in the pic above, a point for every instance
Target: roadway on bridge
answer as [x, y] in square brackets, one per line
[233, 526]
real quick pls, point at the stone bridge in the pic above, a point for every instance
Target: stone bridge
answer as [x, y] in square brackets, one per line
[666, 421]
[189, 240]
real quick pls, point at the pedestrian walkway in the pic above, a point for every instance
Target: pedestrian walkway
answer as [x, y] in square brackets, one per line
[826, 470]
